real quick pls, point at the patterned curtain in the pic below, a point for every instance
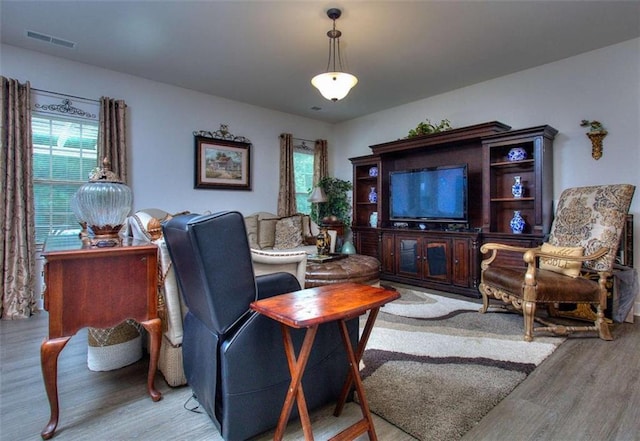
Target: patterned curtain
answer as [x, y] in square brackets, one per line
[18, 253]
[112, 138]
[320, 168]
[287, 192]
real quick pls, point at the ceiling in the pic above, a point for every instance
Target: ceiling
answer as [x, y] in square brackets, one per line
[266, 52]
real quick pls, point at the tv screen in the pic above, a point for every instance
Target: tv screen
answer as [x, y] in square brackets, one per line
[436, 194]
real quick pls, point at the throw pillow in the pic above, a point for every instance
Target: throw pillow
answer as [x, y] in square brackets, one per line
[251, 224]
[559, 265]
[288, 233]
[267, 233]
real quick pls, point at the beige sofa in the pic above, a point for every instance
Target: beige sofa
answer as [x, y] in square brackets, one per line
[145, 225]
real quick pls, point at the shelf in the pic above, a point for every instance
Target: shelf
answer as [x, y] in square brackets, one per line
[506, 164]
[512, 199]
[367, 203]
[535, 173]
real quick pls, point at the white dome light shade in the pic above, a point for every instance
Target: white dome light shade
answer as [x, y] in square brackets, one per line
[334, 85]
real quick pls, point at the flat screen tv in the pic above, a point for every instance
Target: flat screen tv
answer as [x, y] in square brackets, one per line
[435, 194]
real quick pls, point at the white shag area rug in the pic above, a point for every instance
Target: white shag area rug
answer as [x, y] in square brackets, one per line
[434, 365]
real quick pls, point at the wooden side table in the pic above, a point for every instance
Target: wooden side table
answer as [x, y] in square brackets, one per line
[310, 308]
[98, 287]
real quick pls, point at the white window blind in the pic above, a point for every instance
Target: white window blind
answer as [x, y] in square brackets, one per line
[64, 152]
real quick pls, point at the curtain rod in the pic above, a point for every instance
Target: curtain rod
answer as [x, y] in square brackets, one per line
[64, 94]
[302, 139]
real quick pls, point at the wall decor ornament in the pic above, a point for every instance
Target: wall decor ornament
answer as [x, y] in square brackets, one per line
[517, 189]
[52, 103]
[222, 160]
[373, 171]
[596, 134]
[517, 154]
[222, 133]
[517, 223]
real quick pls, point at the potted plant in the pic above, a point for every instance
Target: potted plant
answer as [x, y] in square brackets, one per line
[338, 205]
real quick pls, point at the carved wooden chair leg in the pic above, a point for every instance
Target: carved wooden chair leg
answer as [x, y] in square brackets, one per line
[529, 312]
[485, 299]
[603, 326]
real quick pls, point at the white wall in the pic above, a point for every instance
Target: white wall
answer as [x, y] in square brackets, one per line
[601, 85]
[161, 120]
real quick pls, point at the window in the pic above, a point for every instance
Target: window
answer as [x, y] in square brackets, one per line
[303, 176]
[64, 152]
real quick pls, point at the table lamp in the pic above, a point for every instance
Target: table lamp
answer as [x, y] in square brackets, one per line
[317, 196]
[323, 240]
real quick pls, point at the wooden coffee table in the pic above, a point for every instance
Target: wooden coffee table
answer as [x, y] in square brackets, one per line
[356, 268]
[309, 308]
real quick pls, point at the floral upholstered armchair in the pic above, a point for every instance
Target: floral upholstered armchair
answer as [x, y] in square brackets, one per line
[584, 237]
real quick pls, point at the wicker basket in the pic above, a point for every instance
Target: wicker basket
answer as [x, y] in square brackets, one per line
[113, 348]
[170, 364]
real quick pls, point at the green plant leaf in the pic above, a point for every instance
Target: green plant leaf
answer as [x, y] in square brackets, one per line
[338, 201]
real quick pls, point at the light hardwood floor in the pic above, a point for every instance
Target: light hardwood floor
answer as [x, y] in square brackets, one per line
[587, 390]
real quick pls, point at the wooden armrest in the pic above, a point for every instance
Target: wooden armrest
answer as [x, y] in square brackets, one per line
[491, 246]
[495, 247]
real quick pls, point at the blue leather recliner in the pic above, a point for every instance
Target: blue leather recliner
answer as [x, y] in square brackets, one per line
[234, 358]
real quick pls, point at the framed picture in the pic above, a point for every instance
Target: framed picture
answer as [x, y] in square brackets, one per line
[222, 164]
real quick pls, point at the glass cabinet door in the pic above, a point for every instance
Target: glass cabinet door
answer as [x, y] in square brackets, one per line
[408, 255]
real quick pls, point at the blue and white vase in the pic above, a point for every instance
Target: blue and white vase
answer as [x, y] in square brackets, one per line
[517, 154]
[517, 223]
[373, 171]
[373, 196]
[517, 189]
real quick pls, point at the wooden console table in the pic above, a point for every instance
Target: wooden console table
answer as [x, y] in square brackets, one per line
[310, 308]
[98, 287]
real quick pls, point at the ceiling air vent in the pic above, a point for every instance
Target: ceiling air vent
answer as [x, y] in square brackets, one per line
[50, 39]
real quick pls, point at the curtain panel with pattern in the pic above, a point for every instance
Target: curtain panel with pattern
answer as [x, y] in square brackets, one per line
[17, 257]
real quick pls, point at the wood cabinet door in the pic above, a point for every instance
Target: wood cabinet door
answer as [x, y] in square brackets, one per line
[366, 241]
[408, 256]
[461, 267]
[388, 256]
[436, 259]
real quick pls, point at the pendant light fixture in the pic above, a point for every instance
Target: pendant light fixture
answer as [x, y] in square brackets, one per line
[334, 84]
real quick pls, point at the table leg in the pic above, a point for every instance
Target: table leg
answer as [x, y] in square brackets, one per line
[373, 314]
[49, 351]
[154, 327]
[366, 424]
[295, 392]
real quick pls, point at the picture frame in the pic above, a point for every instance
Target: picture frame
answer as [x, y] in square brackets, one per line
[222, 164]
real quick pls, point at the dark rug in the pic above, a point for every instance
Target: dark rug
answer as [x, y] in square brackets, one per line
[434, 366]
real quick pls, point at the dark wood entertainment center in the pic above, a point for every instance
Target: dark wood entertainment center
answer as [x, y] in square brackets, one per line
[444, 256]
